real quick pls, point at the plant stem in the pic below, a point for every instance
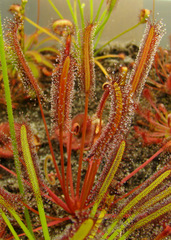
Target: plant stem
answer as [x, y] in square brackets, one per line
[89, 180]
[69, 178]
[108, 178]
[10, 111]
[11, 123]
[6, 220]
[167, 145]
[98, 11]
[12, 211]
[107, 14]
[91, 11]
[49, 141]
[81, 13]
[73, 14]
[42, 29]
[82, 143]
[129, 29]
[62, 155]
[56, 10]
[23, 3]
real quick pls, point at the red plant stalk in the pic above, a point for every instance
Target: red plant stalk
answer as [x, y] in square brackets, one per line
[145, 57]
[162, 65]
[166, 232]
[148, 96]
[104, 139]
[87, 78]
[158, 123]
[125, 97]
[89, 180]
[30, 81]
[53, 197]
[61, 110]
[167, 145]
[82, 148]
[69, 178]
[93, 165]
[21, 65]
[24, 68]
[63, 84]
[40, 228]
[49, 142]
[61, 95]
[27, 77]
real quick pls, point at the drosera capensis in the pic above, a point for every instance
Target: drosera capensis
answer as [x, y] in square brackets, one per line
[86, 201]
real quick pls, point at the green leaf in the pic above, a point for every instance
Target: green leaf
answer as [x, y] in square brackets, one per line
[33, 180]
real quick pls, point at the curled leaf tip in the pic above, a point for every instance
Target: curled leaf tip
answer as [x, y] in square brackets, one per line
[144, 15]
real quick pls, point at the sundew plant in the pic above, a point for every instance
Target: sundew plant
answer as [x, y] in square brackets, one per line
[90, 210]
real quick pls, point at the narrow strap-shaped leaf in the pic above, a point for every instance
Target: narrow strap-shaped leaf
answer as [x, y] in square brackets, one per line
[63, 91]
[55, 8]
[9, 108]
[81, 7]
[11, 121]
[6, 220]
[146, 220]
[33, 180]
[141, 209]
[109, 177]
[134, 201]
[44, 30]
[86, 67]
[143, 62]
[97, 224]
[10, 208]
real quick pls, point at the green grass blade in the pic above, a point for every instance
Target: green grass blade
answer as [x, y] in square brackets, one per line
[6, 220]
[81, 7]
[42, 29]
[98, 11]
[91, 11]
[9, 108]
[119, 35]
[56, 10]
[5, 204]
[72, 13]
[11, 122]
[106, 18]
[34, 180]
[74, 16]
